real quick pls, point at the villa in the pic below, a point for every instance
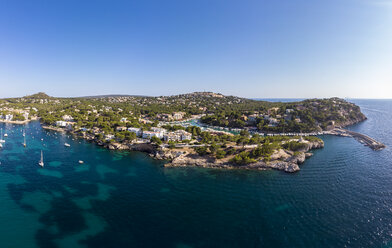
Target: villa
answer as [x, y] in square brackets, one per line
[135, 130]
[178, 135]
[150, 134]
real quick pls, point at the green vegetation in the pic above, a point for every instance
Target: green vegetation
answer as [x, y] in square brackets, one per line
[295, 146]
[107, 119]
[305, 116]
[242, 158]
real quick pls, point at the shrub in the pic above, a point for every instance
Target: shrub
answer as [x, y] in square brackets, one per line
[295, 146]
[220, 154]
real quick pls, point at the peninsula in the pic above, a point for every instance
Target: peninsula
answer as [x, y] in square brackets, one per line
[203, 129]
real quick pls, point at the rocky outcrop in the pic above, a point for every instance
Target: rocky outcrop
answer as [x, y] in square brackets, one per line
[354, 120]
[143, 147]
[314, 145]
[283, 160]
[118, 146]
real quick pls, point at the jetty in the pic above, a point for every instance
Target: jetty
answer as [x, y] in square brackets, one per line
[364, 139]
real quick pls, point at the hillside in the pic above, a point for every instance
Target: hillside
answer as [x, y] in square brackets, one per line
[214, 109]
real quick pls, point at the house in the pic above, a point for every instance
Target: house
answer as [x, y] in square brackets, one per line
[178, 115]
[178, 135]
[96, 130]
[123, 119]
[135, 130]
[272, 122]
[120, 129]
[288, 111]
[185, 135]
[9, 117]
[61, 123]
[252, 118]
[160, 131]
[150, 134]
[164, 117]
[109, 136]
[273, 110]
[67, 118]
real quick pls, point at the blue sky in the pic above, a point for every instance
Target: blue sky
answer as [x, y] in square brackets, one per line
[260, 48]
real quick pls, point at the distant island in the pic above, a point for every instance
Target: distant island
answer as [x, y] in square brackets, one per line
[203, 129]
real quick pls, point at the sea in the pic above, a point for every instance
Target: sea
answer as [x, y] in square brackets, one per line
[341, 197]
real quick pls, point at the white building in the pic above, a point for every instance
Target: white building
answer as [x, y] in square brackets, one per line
[9, 117]
[161, 131]
[109, 136]
[178, 135]
[67, 118]
[288, 111]
[272, 122]
[61, 123]
[150, 134]
[135, 130]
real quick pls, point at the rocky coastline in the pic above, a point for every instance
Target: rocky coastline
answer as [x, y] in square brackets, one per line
[283, 160]
[15, 122]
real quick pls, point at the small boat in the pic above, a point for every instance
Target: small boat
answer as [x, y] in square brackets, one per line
[24, 139]
[67, 145]
[81, 161]
[5, 135]
[42, 139]
[1, 140]
[1, 145]
[41, 162]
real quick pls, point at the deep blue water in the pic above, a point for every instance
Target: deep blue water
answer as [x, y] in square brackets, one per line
[342, 197]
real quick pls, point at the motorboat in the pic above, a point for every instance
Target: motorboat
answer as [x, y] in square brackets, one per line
[41, 162]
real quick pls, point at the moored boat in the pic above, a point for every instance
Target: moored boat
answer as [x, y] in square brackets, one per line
[41, 162]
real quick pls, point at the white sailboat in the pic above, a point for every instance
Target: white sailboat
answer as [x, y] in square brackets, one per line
[67, 145]
[24, 140]
[41, 162]
[1, 139]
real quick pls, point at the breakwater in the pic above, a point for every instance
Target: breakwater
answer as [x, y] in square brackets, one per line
[364, 139]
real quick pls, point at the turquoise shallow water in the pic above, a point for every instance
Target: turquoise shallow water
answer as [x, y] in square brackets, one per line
[342, 197]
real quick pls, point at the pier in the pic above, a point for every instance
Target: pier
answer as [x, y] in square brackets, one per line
[364, 139]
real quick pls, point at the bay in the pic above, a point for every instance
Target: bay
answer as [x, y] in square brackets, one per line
[341, 197]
